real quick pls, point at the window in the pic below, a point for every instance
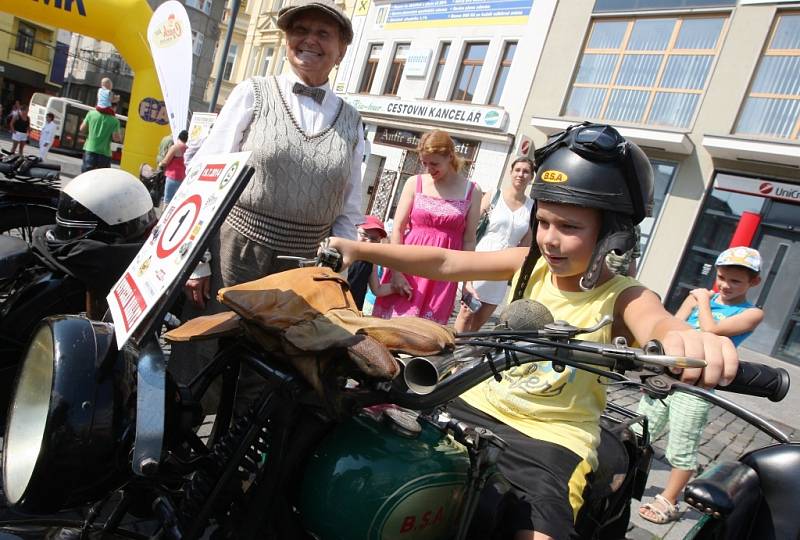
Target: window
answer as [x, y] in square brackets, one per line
[647, 71]
[203, 5]
[277, 5]
[605, 6]
[197, 43]
[502, 72]
[266, 60]
[25, 38]
[663, 174]
[229, 62]
[470, 72]
[396, 69]
[437, 73]
[773, 106]
[370, 68]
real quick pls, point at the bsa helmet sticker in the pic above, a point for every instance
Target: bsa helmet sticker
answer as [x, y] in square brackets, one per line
[554, 177]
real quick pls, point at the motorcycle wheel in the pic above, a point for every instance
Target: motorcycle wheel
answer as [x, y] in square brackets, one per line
[20, 221]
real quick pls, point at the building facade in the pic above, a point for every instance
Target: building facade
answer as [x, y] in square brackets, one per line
[461, 66]
[257, 45]
[710, 89]
[90, 60]
[32, 59]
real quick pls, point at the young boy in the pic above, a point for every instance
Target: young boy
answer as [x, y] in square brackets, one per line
[105, 96]
[362, 274]
[727, 313]
[591, 188]
[47, 136]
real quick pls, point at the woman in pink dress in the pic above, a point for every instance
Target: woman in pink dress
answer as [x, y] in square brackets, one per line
[441, 209]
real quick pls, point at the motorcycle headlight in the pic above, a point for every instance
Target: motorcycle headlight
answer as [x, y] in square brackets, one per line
[70, 406]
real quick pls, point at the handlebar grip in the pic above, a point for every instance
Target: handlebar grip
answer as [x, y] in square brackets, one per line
[760, 380]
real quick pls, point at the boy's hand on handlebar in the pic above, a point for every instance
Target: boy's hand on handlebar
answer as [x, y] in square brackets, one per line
[198, 291]
[718, 351]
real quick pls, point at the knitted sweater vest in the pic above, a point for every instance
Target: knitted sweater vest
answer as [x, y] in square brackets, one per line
[298, 187]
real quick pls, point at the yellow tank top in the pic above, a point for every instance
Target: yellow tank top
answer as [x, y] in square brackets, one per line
[562, 408]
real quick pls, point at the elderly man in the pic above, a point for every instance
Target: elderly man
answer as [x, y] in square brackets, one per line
[307, 149]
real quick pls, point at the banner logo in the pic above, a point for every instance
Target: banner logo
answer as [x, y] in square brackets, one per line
[168, 33]
[765, 188]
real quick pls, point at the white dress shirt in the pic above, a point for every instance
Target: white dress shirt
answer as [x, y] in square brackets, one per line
[229, 129]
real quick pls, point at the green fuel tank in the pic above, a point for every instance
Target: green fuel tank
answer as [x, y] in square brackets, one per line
[384, 476]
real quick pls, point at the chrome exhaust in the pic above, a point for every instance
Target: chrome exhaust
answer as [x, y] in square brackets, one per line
[422, 374]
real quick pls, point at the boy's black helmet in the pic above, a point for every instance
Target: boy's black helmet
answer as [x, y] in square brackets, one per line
[593, 166]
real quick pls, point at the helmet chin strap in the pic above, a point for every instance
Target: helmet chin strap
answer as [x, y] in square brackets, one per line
[618, 241]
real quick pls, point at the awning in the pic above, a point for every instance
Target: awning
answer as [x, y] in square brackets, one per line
[742, 149]
[668, 141]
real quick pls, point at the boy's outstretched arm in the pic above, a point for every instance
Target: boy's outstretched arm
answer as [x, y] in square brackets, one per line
[646, 319]
[741, 323]
[432, 262]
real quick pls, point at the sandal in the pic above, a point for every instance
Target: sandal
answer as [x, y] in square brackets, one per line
[660, 511]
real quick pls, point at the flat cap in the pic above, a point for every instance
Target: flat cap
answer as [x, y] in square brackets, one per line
[329, 7]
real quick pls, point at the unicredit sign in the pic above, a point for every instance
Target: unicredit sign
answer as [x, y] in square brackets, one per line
[760, 188]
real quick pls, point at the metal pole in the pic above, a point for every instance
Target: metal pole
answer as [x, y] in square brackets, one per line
[224, 58]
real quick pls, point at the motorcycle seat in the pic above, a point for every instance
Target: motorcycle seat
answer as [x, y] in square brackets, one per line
[757, 494]
[15, 255]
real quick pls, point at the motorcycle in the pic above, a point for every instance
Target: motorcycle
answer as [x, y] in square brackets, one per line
[28, 194]
[66, 268]
[334, 446]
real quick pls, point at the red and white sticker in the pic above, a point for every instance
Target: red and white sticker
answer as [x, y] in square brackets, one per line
[178, 226]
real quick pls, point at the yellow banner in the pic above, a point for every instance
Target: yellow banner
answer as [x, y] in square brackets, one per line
[122, 23]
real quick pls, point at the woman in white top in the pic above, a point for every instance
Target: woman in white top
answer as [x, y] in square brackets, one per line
[509, 226]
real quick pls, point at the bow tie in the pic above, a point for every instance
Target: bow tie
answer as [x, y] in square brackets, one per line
[317, 94]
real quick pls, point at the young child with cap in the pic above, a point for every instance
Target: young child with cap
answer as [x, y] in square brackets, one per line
[363, 274]
[726, 313]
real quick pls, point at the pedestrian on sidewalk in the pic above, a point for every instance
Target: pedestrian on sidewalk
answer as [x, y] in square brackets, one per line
[726, 313]
[19, 125]
[47, 136]
[507, 216]
[441, 209]
[103, 127]
[174, 167]
[363, 276]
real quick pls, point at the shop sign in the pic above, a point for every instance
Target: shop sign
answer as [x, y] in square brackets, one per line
[417, 61]
[431, 111]
[759, 188]
[408, 139]
[457, 12]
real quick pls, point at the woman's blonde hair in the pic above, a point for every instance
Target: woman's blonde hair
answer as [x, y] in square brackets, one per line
[438, 142]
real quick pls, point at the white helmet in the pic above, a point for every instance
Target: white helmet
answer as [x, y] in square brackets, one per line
[104, 204]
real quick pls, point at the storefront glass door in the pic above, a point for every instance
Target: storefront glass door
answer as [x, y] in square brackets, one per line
[777, 237]
[777, 294]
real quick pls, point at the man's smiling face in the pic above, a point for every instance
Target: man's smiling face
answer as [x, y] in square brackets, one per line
[314, 46]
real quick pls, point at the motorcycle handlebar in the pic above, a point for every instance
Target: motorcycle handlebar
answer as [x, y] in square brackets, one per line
[759, 380]
[429, 379]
